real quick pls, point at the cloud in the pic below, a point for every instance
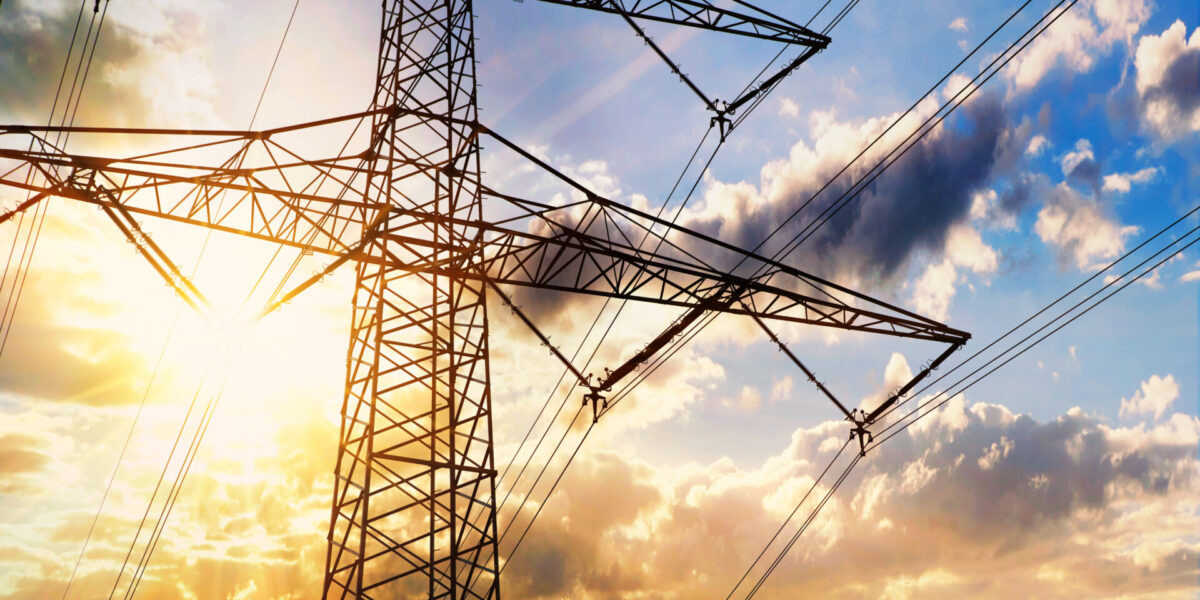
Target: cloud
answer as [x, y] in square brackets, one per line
[54, 355]
[788, 108]
[908, 211]
[995, 453]
[22, 456]
[1122, 182]
[1080, 164]
[975, 500]
[1168, 83]
[895, 374]
[1037, 145]
[782, 389]
[1155, 397]
[934, 289]
[994, 211]
[748, 398]
[966, 248]
[1077, 39]
[1079, 230]
[264, 495]
[70, 364]
[978, 502]
[959, 25]
[903, 220]
[150, 66]
[1073, 159]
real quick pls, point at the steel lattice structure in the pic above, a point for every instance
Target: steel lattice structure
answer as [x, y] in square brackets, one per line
[413, 510]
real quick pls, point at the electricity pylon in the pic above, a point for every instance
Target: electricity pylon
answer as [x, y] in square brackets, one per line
[413, 511]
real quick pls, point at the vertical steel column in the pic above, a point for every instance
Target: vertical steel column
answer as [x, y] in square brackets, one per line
[413, 509]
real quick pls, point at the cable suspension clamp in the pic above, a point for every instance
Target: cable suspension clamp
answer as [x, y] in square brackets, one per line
[598, 403]
[859, 430]
[721, 122]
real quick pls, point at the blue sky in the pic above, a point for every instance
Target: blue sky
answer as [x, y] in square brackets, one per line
[1071, 472]
[877, 65]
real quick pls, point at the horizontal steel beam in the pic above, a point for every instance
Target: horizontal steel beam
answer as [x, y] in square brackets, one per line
[758, 24]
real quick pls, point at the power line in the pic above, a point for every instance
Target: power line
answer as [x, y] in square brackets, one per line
[930, 123]
[18, 279]
[863, 152]
[1039, 313]
[811, 517]
[543, 504]
[612, 322]
[455, 126]
[884, 163]
[40, 218]
[788, 519]
[1043, 328]
[214, 401]
[177, 487]
[124, 447]
[166, 342]
[905, 150]
[924, 410]
[697, 326]
[881, 163]
[174, 446]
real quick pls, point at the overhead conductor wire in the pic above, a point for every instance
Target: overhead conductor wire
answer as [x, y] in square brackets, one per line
[214, 401]
[208, 412]
[583, 438]
[18, 283]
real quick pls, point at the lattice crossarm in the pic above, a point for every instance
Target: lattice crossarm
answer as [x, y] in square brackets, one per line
[704, 15]
[574, 262]
[260, 203]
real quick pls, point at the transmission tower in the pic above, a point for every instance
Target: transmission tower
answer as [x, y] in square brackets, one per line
[413, 511]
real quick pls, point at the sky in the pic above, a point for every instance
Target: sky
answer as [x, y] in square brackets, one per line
[1071, 472]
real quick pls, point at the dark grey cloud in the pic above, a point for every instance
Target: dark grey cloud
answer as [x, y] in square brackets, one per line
[1180, 83]
[1042, 474]
[908, 209]
[1165, 101]
[34, 39]
[1087, 172]
[1021, 192]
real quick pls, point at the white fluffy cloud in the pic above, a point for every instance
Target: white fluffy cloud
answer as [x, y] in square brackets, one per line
[1123, 182]
[1079, 230]
[934, 290]
[1077, 39]
[1081, 154]
[1167, 81]
[1037, 144]
[789, 108]
[1155, 397]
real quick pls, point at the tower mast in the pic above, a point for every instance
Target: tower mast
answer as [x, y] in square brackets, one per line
[413, 506]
